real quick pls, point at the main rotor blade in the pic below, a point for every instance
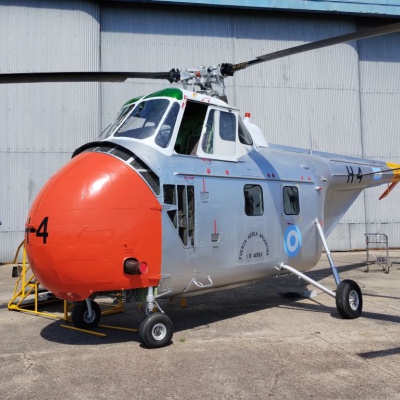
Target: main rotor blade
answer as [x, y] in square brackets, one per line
[38, 77]
[364, 34]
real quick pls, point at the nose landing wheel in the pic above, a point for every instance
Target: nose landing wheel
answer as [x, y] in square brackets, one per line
[84, 318]
[156, 330]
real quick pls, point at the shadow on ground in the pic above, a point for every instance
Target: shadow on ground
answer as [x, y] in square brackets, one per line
[202, 311]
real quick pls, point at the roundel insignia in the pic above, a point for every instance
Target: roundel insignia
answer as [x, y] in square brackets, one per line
[292, 240]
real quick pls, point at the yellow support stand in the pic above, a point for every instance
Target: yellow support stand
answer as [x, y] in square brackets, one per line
[26, 298]
[83, 330]
[27, 288]
[17, 268]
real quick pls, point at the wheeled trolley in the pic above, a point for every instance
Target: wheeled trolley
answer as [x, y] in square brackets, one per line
[377, 251]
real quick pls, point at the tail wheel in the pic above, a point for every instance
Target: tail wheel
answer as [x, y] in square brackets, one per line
[349, 299]
[82, 319]
[156, 330]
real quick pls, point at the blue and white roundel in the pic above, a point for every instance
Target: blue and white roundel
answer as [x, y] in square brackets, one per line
[292, 240]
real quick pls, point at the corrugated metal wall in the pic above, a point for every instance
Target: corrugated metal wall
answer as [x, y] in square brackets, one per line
[380, 120]
[343, 99]
[41, 124]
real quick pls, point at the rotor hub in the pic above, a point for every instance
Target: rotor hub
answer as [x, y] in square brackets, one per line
[201, 79]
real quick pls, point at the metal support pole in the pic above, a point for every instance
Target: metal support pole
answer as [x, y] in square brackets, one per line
[307, 279]
[328, 253]
[150, 299]
[89, 307]
[23, 271]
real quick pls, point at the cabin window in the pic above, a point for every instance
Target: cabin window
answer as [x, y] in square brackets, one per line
[253, 200]
[144, 119]
[291, 203]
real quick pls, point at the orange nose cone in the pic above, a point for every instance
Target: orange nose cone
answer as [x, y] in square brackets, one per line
[91, 216]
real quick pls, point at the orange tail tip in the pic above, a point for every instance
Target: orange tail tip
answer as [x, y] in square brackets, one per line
[396, 179]
[396, 171]
[388, 190]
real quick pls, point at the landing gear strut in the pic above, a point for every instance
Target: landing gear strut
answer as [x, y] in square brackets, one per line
[156, 329]
[348, 294]
[86, 314]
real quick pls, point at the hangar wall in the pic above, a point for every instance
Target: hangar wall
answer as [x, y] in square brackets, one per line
[342, 99]
[41, 124]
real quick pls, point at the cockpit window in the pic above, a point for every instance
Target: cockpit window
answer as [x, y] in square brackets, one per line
[244, 135]
[120, 117]
[144, 119]
[220, 133]
[227, 126]
[167, 128]
[190, 128]
[208, 137]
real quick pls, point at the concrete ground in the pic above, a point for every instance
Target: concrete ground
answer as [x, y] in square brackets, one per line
[250, 343]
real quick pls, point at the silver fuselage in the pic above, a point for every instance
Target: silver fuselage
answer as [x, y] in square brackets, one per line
[231, 219]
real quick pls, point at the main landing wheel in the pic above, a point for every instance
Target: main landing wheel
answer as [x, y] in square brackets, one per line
[82, 319]
[156, 330]
[349, 299]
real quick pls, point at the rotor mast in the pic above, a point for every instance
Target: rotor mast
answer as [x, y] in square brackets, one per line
[202, 77]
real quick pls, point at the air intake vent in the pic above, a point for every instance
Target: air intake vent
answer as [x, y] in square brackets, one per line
[128, 158]
[180, 200]
[152, 179]
[121, 153]
[103, 149]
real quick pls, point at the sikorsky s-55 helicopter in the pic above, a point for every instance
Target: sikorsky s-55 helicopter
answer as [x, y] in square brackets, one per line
[171, 200]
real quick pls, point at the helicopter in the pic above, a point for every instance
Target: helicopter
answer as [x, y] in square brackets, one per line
[181, 197]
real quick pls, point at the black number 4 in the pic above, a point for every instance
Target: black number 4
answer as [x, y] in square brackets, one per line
[42, 230]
